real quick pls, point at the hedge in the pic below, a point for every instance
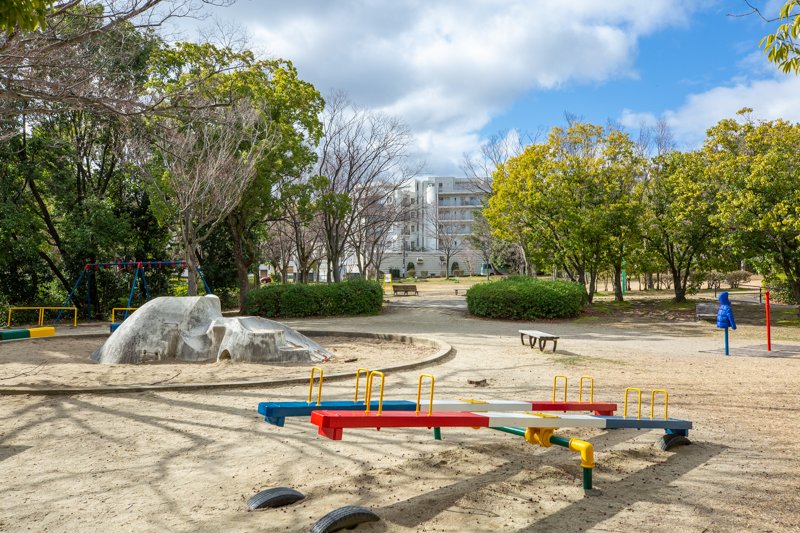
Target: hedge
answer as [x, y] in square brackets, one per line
[353, 297]
[521, 297]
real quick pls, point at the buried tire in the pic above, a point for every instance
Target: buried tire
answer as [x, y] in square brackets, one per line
[277, 497]
[668, 442]
[346, 517]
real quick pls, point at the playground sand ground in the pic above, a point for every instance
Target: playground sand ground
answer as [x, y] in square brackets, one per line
[64, 362]
[171, 461]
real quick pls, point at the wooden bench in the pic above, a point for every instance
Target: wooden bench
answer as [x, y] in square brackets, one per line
[540, 336]
[405, 290]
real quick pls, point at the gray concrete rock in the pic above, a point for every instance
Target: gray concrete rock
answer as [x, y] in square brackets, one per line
[192, 328]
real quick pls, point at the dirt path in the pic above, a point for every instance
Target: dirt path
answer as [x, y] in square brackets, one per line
[188, 461]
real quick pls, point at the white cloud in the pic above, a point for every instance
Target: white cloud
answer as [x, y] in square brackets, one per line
[633, 120]
[769, 98]
[446, 67]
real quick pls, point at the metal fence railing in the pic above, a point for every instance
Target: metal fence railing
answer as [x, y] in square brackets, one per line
[744, 290]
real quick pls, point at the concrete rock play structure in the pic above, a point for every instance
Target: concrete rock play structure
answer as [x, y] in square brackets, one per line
[193, 329]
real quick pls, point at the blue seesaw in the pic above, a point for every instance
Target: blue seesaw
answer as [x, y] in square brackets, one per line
[509, 416]
[276, 412]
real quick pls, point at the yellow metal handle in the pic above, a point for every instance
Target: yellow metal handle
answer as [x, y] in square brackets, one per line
[555, 385]
[311, 385]
[358, 375]
[473, 402]
[419, 392]
[591, 388]
[625, 410]
[115, 309]
[41, 310]
[653, 402]
[368, 397]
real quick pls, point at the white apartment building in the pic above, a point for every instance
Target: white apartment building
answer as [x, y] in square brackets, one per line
[443, 201]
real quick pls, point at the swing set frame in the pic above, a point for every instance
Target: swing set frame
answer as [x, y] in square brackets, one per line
[140, 268]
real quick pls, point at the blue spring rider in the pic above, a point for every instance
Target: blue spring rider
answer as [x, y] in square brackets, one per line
[725, 318]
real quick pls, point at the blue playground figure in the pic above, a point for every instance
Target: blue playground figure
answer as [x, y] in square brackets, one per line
[725, 316]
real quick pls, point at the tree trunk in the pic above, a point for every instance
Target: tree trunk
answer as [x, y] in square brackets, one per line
[618, 296]
[334, 266]
[794, 286]
[191, 271]
[240, 258]
[93, 290]
[191, 255]
[680, 289]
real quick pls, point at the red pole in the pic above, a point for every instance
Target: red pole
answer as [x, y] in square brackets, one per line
[769, 340]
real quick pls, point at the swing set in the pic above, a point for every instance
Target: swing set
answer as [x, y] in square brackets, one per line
[140, 269]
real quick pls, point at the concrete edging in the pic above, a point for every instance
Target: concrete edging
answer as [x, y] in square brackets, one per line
[444, 353]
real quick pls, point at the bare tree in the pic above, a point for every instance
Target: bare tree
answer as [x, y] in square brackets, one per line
[202, 169]
[87, 56]
[362, 161]
[370, 236]
[482, 240]
[279, 246]
[450, 239]
[655, 139]
[306, 227]
[664, 138]
[497, 149]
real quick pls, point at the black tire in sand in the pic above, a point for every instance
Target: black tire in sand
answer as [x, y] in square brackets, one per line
[276, 497]
[668, 442]
[346, 517]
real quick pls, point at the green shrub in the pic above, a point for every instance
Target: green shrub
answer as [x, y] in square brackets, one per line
[521, 297]
[714, 279]
[737, 277]
[352, 297]
[779, 289]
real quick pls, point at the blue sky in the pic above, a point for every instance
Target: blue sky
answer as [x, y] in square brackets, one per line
[711, 49]
[459, 71]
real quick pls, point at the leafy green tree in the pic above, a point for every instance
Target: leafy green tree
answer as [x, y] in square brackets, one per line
[509, 212]
[570, 200]
[782, 47]
[292, 107]
[679, 203]
[621, 210]
[27, 15]
[758, 164]
[192, 75]
[23, 271]
[64, 159]
[202, 163]
[71, 200]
